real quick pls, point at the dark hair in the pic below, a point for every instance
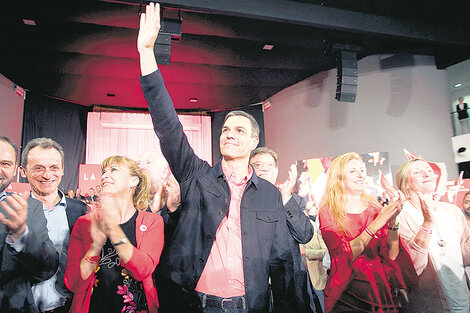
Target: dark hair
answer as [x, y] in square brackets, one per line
[254, 123]
[264, 150]
[43, 143]
[15, 147]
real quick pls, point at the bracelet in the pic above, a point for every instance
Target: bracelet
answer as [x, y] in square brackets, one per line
[120, 242]
[394, 228]
[370, 233]
[92, 259]
[427, 231]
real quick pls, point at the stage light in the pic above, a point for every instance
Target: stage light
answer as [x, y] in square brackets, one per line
[29, 22]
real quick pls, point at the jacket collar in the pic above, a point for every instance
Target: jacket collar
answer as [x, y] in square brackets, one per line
[140, 227]
[254, 180]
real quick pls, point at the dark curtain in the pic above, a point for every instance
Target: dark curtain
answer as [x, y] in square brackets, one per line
[217, 122]
[61, 121]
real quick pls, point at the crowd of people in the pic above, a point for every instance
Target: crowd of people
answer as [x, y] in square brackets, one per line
[171, 233]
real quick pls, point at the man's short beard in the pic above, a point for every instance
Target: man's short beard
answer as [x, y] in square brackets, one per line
[467, 213]
[5, 184]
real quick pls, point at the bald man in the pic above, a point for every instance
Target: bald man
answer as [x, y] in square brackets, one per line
[27, 255]
[154, 164]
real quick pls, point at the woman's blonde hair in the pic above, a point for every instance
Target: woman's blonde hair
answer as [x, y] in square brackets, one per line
[401, 177]
[140, 195]
[334, 197]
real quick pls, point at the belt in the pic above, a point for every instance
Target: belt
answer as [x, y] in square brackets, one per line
[211, 301]
[60, 309]
[56, 310]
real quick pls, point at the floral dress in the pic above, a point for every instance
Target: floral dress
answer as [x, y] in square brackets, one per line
[114, 290]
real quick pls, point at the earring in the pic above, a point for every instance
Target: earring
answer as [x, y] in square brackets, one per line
[134, 183]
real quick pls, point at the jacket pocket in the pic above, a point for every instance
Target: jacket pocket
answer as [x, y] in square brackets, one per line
[209, 186]
[267, 216]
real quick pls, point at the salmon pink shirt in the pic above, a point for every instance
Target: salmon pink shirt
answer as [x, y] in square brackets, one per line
[223, 274]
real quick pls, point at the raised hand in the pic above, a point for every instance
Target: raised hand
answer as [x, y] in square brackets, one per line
[16, 207]
[107, 213]
[390, 192]
[388, 214]
[173, 199]
[427, 210]
[288, 185]
[149, 27]
[98, 235]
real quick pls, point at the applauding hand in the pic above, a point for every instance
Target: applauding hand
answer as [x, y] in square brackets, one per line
[16, 207]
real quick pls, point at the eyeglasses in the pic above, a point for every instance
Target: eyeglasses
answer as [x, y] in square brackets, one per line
[268, 166]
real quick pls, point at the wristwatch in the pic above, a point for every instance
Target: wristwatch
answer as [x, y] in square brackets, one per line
[120, 242]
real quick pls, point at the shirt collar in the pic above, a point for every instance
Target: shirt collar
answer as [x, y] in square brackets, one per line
[232, 178]
[220, 173]
[3, 195]
[62, 202]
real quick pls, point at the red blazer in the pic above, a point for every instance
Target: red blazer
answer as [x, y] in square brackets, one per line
[149, 239]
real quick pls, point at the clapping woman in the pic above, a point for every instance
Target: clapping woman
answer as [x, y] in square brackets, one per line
[438, 239]
[363, 241]
[114, 250]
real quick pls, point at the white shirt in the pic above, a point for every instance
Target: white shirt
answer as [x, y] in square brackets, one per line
[45, 294]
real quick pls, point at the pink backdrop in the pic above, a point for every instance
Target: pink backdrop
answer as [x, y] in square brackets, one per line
[131, 134]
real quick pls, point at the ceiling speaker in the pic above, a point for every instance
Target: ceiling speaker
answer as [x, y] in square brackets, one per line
[162, 48]
[346, 83]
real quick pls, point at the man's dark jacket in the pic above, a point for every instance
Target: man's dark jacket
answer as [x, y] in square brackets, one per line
[463, 114]
[74, 209]
[36, 262]
[205, 197]
[300, 232]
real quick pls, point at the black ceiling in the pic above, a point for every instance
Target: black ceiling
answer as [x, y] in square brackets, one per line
[85, 51]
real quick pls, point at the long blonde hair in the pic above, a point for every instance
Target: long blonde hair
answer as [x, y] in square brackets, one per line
[334, 197]
[140, 194]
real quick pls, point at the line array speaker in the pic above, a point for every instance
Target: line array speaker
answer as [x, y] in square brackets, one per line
[346, 85]
[162, 48]
[170, 30]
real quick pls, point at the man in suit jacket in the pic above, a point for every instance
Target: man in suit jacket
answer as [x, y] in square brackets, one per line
[91, 196]
[42, 162]
[264, 161]
[26, 253]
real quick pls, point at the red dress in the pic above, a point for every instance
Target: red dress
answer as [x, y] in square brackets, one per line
[364, 284]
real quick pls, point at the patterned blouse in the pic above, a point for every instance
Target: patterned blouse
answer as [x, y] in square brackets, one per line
[114, 289]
